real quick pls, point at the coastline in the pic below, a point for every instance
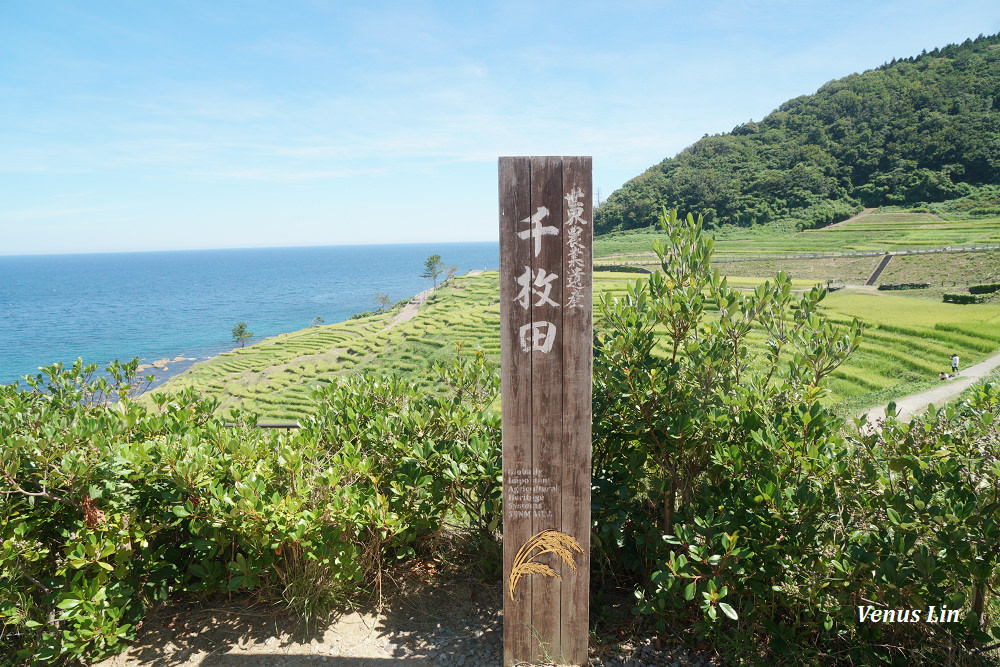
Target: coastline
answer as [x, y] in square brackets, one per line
[185, 303]
[166, 368]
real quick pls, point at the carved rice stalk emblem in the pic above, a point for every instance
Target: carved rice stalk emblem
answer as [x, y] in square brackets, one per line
[545, 542]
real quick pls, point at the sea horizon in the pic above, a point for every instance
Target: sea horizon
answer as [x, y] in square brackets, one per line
[165, 304]
[239, 248]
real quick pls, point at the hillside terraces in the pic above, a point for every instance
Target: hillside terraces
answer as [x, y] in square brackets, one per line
[873, 233]
[277, 375]
[907, 342]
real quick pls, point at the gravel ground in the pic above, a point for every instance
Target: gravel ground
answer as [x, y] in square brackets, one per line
[479, 641]
[455, 624]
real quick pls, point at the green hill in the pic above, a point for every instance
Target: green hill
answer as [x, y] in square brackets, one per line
[921, 129]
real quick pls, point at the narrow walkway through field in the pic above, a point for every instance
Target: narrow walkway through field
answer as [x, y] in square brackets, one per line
[879, 269]
[409, 310]
[910, 405]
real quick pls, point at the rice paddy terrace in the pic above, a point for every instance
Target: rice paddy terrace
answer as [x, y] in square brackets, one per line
[907, 343]
[873, 232]
[877, 232]
[276, 376]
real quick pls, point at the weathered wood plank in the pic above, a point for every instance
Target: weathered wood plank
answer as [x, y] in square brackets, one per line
[515, 387]
[546, 393]
[547, 352]
[578, 356]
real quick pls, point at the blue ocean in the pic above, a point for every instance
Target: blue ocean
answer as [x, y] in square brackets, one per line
[166, 305]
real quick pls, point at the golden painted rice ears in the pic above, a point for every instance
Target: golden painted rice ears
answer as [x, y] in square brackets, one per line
[545, 542]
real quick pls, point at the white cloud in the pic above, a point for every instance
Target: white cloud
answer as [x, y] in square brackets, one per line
[225, 113]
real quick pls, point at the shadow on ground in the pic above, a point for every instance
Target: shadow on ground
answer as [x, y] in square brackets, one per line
[457, 622]
[425, 622]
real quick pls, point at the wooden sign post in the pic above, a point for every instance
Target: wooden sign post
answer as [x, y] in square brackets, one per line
[546, 311]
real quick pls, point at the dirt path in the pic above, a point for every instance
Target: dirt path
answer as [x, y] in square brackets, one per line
[949, 389]
[409, 310]
[413, 307]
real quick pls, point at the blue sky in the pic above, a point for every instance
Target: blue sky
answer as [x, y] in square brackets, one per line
[175, 125]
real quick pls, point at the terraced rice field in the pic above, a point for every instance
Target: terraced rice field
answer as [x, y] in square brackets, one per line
[276, 376]
[907, 343]
[895, 231]
[869, 232]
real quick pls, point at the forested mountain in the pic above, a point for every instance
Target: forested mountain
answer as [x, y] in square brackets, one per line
[922, 129]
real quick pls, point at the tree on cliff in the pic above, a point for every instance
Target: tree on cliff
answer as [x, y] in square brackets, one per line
[241, 335]
[433, 268]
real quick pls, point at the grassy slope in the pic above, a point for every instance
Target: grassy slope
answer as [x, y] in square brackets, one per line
[946, 273]
[874, 231]
[276, 375]
[909, 338]
[906, 344]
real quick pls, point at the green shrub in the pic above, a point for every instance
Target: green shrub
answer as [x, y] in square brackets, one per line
[662, 421]
[826, 213]
[371, 312]
[111, 507]
[737, 503]
[989, 288]
[963, 298]
[901, 286]
[85, 538]
[620, 268]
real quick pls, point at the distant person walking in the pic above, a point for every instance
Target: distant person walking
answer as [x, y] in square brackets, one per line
[954, 364]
